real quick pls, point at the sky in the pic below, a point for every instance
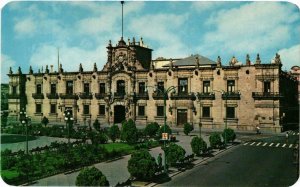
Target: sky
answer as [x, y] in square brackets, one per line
[32, 32]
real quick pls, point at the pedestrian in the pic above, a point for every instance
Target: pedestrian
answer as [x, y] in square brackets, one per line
[257, 130]
[159, 160]
[287, 136]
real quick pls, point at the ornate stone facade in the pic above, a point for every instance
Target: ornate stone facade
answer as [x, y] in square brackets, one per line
[207, 93]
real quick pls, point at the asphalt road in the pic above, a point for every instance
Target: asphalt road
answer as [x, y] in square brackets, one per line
[266, 162]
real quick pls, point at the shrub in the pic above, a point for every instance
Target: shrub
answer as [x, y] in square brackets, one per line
[45, 121]
[151, 129]
[129, 132]
[174, 153]
[198, 145]
[96, 125]
[215, 140]
[142, 165]
[188, 128]
[91, 177]
[114, 132]
[230, 135]
[161, 130]
[98, 138]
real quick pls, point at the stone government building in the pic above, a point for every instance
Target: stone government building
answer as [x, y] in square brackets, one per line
[208, 93]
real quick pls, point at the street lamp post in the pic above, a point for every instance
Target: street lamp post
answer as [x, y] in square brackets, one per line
[223, 92]
[69, 119]
[164, 92]
[24, 121]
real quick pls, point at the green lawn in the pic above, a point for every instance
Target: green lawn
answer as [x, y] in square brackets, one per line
[15, 138]
[9, 174]
[117, 146]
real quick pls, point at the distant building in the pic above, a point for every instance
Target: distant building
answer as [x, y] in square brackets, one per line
[208, 93]
[4, 94]
[295, 72]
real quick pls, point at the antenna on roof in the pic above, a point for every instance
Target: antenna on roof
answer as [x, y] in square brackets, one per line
[122, 2]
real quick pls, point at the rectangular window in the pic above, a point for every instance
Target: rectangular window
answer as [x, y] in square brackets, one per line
[160, 111]
[160, 86]
[182, 85]
[53, 108]
[102, 88]
[38, 88]
[38, 108]
[86, 109]
[230, 112]
[101, 109]
[230, 86]
[14, 89]
[86, 88]
[206, 86]
[141, 111]
[206, 112]
[142, 87]
[69, 89]
[53, 88]
[267, 87]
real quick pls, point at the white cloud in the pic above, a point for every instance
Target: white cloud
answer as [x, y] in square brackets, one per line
[250, 28]
[107, 16]
[290, 56]
[201, 6]
[25, 26]
[6, 62]
[70, 57]
[162, 30]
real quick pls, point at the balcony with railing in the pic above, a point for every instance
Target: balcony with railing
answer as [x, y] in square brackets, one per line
[86, 95]
[231, 95]
[266, 95]
[119, 95]
[52, 95]
[38, 95]
[100, 95]
[183, 96]
[13, 96]
[158, 96]
[206, 95]
[68, 96]
[143, 95]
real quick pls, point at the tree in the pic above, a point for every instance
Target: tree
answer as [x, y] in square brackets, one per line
[151, 129]
[96, 125]
[129, 132]
[161, 130]
[215, 140]
[114, 132]
[188, 128]
[91, 177]
[142, 165]
[198, 145]
[230, 135]
[45, 121]
[174, 153]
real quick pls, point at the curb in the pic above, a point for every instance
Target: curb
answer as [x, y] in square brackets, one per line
[197, 163]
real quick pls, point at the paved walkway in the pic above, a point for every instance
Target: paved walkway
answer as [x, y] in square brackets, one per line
[39, 142]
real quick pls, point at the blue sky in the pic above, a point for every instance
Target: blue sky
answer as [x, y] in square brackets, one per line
[32, 31]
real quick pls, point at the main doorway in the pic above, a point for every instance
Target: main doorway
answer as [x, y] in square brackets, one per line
[119, 113]
[181, 117]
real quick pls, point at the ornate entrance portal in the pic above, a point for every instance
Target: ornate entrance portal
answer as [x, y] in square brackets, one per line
[119, 113]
